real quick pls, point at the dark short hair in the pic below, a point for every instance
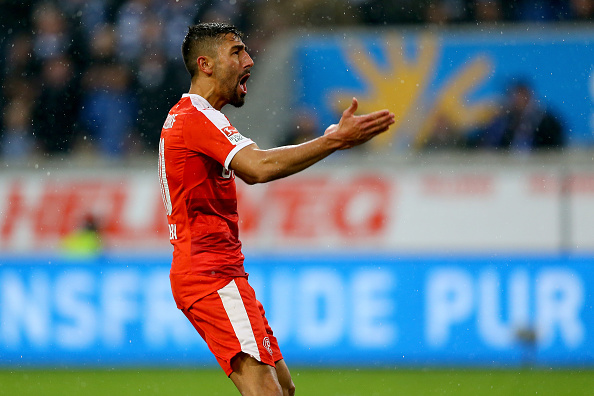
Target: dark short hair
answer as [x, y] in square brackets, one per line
[202, 39]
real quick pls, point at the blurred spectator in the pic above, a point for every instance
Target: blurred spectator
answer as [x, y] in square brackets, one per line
[137, 26]
[224, 11]
[152, 33]
[19, 59]
[18, 73]
[52, 37]
[524, 124]
[56, 109]
[85, 241]
[176, 16]
[488, 11]
[444, 11]
[156, 94]
[534, 10]
[108, 105]
[19, 88]
[103, 46]
[311, 13]
[304, 127]
[86, 15]
[444, 136]
[267, 21]
[16, 140]
[581, 10]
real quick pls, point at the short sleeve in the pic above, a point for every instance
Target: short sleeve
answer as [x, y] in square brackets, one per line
[210, 132]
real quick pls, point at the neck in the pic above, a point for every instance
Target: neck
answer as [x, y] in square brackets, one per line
[207, 90]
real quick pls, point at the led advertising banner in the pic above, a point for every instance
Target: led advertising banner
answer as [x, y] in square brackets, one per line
[364, 310]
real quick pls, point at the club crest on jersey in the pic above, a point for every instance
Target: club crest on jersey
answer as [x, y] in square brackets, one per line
[169, 121]
[232, 134]
[266, 345]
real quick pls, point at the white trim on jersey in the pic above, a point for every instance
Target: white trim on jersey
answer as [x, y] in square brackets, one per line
[163, 179]
[239, 319]
[198, 102]
[220, 121]
[235, 150]
[216, 117]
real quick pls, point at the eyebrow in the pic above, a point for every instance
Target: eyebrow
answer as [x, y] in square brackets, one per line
[239, 46]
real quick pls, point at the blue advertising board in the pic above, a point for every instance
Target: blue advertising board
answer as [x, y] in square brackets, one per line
[458, 77]
[357, 310]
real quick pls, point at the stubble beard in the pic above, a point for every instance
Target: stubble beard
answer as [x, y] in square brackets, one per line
[238, 100]
[231, 91]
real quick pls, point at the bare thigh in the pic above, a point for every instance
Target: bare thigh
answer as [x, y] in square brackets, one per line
[253, 378]
[284, 378]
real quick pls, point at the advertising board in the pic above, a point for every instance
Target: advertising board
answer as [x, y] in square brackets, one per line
[359, 310]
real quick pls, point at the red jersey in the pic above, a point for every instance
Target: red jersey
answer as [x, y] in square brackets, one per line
[196, 147]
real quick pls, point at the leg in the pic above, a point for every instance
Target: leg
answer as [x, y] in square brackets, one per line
[234, 326]
[284, 378]
[253, 378]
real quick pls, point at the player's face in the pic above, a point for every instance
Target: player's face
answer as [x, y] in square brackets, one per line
[233, 70]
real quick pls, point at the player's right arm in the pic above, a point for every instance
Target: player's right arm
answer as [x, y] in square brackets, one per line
[254, 165]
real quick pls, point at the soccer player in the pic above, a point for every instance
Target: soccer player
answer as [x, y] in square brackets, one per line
[200, 153]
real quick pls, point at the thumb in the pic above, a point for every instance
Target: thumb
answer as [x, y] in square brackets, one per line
[352, 108]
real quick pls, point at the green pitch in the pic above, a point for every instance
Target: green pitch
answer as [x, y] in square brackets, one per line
[327, 382]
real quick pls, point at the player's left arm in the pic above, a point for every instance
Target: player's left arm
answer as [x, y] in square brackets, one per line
[254, 165]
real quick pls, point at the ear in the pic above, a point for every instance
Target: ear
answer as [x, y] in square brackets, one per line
[205, 65]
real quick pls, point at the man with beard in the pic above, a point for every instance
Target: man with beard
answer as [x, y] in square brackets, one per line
[199, 154]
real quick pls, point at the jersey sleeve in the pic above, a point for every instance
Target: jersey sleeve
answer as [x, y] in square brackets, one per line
[210, 132]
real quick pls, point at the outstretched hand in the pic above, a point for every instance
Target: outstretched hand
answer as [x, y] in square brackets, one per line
[354, 130]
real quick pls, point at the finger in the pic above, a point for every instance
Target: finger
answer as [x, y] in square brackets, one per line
[376, 118]
[383, 121]
[352, 108]
[377, 129]
[377, 114]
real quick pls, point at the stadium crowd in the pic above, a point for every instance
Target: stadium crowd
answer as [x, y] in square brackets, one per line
[99, 75]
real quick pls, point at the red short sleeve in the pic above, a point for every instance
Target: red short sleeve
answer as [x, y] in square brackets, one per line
[210, 132]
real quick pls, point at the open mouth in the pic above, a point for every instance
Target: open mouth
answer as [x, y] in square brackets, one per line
[243, 83]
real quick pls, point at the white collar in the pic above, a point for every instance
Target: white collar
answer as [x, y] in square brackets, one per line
[198, 101]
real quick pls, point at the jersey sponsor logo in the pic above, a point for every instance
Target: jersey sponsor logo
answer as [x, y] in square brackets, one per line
[232, 134]
[266, 344]
[169, 121]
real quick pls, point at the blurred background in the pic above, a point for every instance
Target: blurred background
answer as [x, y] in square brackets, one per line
[462, 237]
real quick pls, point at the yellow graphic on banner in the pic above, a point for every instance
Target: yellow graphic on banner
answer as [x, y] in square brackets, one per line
[402, 89]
